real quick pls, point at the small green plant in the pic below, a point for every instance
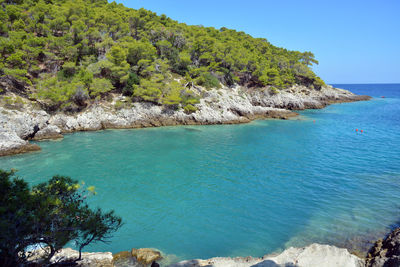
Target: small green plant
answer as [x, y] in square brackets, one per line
[119, 104]
[274, 91]
[7, 100]
[13, 102]
[190, 109]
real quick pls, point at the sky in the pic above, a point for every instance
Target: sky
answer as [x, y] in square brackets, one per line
[354, 41]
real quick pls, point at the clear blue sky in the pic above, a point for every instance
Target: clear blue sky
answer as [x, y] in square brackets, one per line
[355, 41]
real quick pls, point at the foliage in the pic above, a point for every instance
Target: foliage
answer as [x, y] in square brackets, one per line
[100, 86]
[190, 109]
[173, 94]
[273, 90]
[130, 84]
[16, 219]
[81, 44]
[208, 81]
[51, 214]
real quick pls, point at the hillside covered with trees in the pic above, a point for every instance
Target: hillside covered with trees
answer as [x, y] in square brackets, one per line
[65, 53]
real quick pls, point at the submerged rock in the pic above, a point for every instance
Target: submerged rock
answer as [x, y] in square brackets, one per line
[314, 255]
[385, 253]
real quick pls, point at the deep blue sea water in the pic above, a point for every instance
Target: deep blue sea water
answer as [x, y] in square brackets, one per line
[238, 190]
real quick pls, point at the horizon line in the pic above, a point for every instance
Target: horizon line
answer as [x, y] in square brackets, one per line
[363, 83]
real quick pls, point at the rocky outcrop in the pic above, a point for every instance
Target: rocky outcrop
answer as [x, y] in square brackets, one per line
[137, 257]
[97, 259]
[385, 253]
[217, 106]
[314, 255]
[123, 258]
[301, 97]
[48, 132]
[11, 143]
[146, 256]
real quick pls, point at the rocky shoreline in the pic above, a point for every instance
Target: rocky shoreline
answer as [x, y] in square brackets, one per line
[217, 106]
[314, 255]
[384, 253]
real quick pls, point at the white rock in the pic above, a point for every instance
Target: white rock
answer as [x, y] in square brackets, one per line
[314, 255]
[10, 140]
[96, 259]
[48, 132]
[317, 255]
[224, 105]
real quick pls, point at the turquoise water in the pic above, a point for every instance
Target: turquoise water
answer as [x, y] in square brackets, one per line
[238, 190]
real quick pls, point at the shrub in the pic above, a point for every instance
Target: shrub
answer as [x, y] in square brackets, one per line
[274, 91]
[69, 69]
[18, 74]
[119, 104]
[190, 109]
[208, 81]
[318, 82]
[129, 87]
[149, 89]
[172, 95]
[100, 86]
[56, 92]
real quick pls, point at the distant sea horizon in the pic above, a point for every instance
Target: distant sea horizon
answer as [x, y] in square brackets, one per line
[360, 83]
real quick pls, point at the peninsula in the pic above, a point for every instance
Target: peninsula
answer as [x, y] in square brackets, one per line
[89, 65]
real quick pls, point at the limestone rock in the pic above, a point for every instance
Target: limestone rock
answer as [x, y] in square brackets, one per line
[48, 132]
[123, 258]
[24, 124]
[226, 105]
[317, 255]
[314, 255]
[11, 143]
[146, 255]
[98, 259]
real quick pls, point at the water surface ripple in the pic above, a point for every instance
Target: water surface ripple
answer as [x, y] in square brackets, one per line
[238, 190]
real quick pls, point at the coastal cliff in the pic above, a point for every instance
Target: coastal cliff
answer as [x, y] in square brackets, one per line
[91, 65]
[227, 105]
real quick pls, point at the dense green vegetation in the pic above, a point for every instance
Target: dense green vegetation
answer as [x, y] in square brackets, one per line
[71, 51]
[50, 214]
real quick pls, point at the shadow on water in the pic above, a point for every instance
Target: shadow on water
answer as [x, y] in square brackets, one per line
[396, 224]
[192, 130]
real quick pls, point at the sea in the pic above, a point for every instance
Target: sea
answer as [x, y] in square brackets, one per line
[329, 176]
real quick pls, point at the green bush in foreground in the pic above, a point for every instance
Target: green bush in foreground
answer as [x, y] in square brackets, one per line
[50, 214]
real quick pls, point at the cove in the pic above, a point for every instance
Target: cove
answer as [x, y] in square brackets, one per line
[239, 190]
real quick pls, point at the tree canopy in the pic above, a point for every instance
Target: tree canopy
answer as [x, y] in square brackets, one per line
[50, 214]
[61, 48]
